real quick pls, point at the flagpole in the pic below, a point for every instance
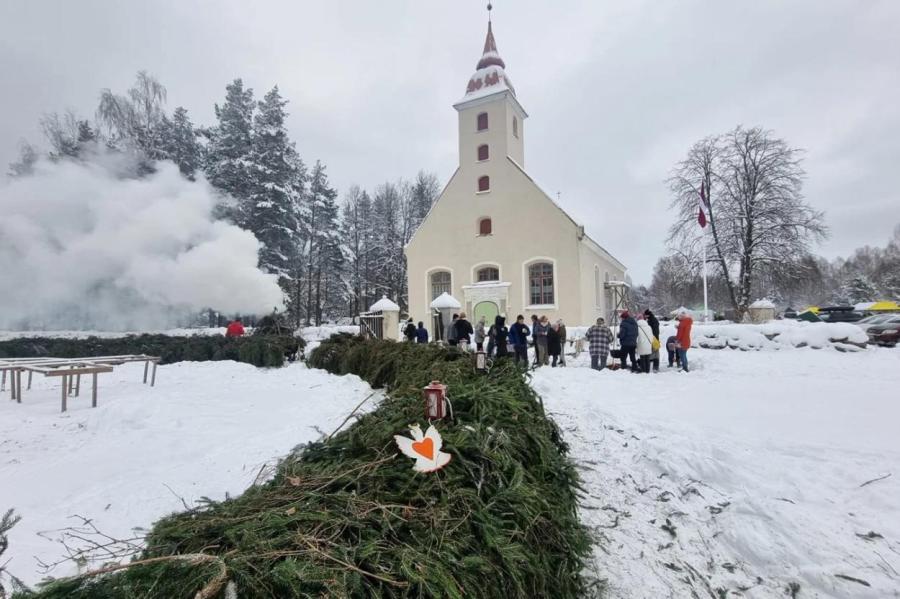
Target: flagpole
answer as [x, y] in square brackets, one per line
[705, 295]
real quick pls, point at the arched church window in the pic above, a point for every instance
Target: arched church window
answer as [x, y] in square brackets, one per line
[540, 283]
[484, 183]
[485, 226]
[440, 283]
[483, 152]
[515, 127]
[488, 273]
[482, 121]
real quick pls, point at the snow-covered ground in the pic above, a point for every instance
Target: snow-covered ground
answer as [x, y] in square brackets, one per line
[206, 429]
[750, 472]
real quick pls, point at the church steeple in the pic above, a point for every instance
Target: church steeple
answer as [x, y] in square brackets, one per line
[490, 75]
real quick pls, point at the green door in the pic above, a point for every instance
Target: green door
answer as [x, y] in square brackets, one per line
[489, 310]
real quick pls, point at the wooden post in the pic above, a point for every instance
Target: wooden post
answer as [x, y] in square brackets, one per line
[153, 378]
[3, 381]
[71, 380]
[19, 386]
[65, 392]
[12, 385]
[77, 385]
[94, 390]
[29, 379]
[146, 366]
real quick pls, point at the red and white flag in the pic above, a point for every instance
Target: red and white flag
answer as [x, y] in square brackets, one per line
[701, 217]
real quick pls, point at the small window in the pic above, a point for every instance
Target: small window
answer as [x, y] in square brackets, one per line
[440, 283]
[482, 121]
[483, 152]
[484, 183]
[540, 279]
[515, 127]
[489, 273]
[485, 226]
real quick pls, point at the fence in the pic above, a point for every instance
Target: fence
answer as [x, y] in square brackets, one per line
[371, 325]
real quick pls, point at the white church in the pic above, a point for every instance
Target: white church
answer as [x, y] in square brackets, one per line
[494, 240]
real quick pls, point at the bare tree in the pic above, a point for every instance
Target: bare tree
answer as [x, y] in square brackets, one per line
[757, 217]
[135, 119]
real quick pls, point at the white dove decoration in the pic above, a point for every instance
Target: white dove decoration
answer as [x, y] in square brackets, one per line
[425, 449]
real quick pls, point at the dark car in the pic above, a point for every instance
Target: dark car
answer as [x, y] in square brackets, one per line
[840, 314]
[886, 334]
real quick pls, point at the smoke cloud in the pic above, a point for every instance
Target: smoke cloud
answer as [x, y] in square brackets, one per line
[82, 247]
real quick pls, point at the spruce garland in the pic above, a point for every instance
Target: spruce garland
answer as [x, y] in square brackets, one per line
[348, 517]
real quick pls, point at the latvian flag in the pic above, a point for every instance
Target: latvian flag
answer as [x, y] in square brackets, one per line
[701, 218]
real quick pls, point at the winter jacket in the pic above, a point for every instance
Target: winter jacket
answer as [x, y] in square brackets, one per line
[235, 329]
[653, 321]
[562, 335]
[554, 347]
[519, 334]
[599, 338]
[539, 332]
[450, 333]
[644, 339]
[464, 330]
[479, 332]
[410, 332]
[684, 332]
[422, 335]
[500, 335]
[628, 332]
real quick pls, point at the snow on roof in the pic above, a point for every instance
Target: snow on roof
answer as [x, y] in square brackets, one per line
[445, 301]
[763, 304]
[385, 305]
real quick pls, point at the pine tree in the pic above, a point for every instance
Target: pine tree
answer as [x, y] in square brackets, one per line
[356, 232]
[230, 144]
[270, 207]
[28, 156]
[859, 289]
[179, 142]
[324, 258]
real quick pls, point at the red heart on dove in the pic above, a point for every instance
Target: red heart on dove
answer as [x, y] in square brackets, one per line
[425, 447]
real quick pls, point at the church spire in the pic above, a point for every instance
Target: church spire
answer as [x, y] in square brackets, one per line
[490, 76]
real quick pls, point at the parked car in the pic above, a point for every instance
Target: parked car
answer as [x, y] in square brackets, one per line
[840, 314]
[870, 321]
[887, 333]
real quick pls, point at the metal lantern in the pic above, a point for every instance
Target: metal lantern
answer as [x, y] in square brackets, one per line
[435, 400]
[481, 361]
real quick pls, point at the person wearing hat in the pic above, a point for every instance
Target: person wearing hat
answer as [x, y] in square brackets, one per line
[599, 337]
[628, 334]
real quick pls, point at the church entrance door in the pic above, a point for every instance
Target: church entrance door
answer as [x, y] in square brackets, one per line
[489, 310]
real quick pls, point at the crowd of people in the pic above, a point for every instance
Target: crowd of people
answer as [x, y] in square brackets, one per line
[638, 338]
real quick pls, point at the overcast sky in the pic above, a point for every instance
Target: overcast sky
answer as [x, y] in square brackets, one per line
[616, 91]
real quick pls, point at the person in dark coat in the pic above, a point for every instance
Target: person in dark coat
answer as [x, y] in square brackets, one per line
[500, 335]
[628, 332]
[464, 331]
[519, 336]
[671, 346]
[653, 321]
[451, 331]
[421, 333]
[410, 331]
[554, 347]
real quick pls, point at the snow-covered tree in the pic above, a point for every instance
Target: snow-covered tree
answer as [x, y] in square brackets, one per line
[28, 156]
[178, 142]
[270, 206]
[134, 122]
[227, 164]
[859, 289]
[357, 234]
[324, 271]
[757, 218]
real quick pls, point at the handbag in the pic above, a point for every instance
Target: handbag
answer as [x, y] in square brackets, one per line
[655, 344]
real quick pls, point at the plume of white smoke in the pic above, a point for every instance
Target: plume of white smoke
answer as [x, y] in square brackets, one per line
[83, 247]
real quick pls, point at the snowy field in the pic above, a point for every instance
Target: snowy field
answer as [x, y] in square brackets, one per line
[206, 429]
[749, 473]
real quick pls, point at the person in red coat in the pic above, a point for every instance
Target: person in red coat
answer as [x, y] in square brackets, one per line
[683, 338]
[235, 328]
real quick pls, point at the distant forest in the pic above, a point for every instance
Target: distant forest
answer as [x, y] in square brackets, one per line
[333, 259]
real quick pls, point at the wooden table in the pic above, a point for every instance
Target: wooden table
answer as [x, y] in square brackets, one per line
[71, 370]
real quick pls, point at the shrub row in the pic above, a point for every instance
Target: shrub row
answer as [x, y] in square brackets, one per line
[259, 350]
[348, 517]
